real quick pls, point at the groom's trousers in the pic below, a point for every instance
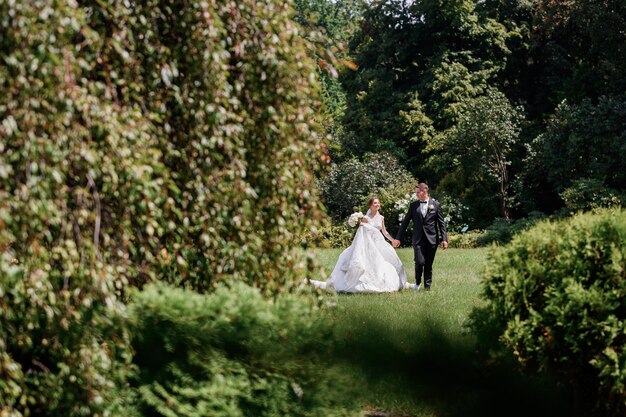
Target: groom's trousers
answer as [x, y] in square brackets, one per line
[424, 256]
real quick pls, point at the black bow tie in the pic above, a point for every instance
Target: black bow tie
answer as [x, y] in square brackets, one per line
[423, 202]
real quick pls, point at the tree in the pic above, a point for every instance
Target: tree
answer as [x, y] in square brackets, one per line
[349, 184]
[328, 25]
[583, 141]
[579, 49]
[480, 144]
[449, 53]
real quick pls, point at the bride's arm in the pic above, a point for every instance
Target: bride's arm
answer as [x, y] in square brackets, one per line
[387, 235]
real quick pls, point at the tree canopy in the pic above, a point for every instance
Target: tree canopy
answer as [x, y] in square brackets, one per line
[423, 66]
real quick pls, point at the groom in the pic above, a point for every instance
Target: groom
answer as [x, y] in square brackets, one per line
[429, 229]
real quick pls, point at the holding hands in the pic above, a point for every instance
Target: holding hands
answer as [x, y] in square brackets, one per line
[396, 243]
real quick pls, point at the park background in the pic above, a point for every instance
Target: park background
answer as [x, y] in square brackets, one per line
[173, 172]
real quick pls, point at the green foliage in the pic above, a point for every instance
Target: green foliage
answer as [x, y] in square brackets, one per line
[337, 19]
[398, 98]
[178, 147]
[502, 231]
[480, 146]
[456, 214]
[586, 141]
[231, 353]
[64, 344]
[350, 184]
[329, 235]
[328, 25]
[465, 240]
[536, 52]
[588, 194]
[579, 49]
[555, 297]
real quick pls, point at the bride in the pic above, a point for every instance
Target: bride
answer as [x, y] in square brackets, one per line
[369, 264]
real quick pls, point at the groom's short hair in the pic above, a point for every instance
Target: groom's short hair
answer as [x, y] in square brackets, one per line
[422, 185]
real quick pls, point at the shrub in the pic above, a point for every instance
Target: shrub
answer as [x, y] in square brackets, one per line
[328, 235]
[555, 296]
[457, 214]
[588, 194]
[231, 353]
[179, 148]
[350, 184]
[466, 240]
[502, 231]
[584, 141]
[64, 344]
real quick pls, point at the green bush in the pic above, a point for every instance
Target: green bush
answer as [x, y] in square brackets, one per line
[328, 235]
[231, 353]
[588, 194]
[466, 240]
[64, 344]
[456, 213]
[555, 296]
[178, 148]
[155, 139]
[583, 141]
[502, 231]
[350, 184]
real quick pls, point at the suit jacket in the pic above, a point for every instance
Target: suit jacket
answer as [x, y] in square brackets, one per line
[432, 225]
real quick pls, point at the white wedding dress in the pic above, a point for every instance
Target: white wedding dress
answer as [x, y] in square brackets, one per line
[369, 264]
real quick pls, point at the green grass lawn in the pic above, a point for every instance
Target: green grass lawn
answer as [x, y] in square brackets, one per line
[410, 354]
[455, 291]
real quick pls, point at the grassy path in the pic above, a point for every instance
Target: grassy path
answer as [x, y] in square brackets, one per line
[410, 354]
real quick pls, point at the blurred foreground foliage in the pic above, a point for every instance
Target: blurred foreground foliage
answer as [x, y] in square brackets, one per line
[157, 140]
[172, 139]
[555, 297]
[232, 353]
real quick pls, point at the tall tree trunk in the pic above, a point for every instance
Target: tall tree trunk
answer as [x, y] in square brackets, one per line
[504, 187]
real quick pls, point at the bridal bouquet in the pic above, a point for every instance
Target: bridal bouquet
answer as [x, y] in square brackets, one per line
[355, 219]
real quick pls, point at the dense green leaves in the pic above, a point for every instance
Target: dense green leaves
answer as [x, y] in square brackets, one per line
[64, 343]
[140, 141]
[231, 353]
[422, 65]
[349, 184]
[583, 43]
[556, 296]
[480, 146]
[424, 57]
[171, 139]
[584, 141]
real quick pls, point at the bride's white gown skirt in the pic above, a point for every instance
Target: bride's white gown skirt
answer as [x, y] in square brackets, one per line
[369, 264]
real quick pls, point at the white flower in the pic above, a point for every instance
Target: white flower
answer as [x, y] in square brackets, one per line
[355, 218]
[402, 205]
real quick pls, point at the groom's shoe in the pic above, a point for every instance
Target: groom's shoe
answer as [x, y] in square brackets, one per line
[416, 288]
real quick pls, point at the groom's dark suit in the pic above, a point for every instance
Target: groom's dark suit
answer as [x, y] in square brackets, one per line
[428, 231]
